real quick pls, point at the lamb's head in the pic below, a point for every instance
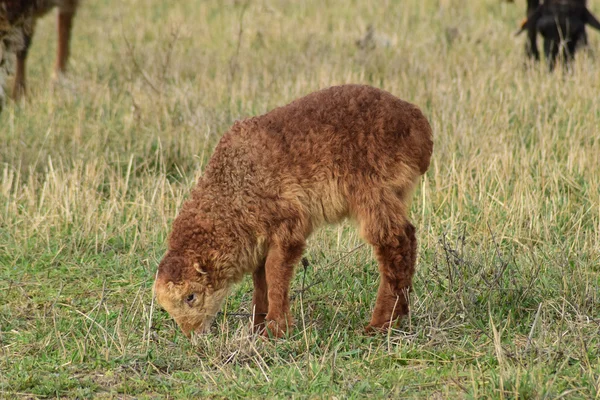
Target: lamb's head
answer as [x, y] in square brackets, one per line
[185, 288]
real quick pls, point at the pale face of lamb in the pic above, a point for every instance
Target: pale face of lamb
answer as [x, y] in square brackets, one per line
[185, 291]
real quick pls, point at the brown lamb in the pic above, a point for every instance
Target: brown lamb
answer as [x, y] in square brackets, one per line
[17, 25]
[347, 151]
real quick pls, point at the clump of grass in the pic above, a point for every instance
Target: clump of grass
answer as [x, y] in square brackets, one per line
[94, 168]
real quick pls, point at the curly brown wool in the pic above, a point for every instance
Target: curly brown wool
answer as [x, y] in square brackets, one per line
[346, 151]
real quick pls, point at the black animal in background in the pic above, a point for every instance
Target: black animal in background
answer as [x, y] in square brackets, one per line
[562, 25]
[531, 48]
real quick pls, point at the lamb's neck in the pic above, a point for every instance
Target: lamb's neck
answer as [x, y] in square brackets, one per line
[235, 230]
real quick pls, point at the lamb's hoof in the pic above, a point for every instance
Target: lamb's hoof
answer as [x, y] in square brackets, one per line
[274, 329]
[372, 330]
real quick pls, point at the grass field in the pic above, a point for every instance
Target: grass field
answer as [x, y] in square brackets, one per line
[93, 169]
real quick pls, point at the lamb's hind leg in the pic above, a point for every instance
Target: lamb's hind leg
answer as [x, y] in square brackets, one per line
[385, 225]
[397, 266]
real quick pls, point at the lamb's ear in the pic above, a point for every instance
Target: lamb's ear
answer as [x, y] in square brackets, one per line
[591, 20]
[199, 269]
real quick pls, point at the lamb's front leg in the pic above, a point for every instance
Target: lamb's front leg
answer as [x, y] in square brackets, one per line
[279, 269]
[260, 301]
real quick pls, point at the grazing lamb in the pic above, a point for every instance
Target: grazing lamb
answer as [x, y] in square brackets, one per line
[562, 25]
[347, 151]
[17, 25]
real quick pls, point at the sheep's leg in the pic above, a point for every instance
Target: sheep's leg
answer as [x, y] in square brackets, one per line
[551, 52]
[279, 269]
[260, 300]
[530, 24]
[65, 26]
[2, 95]
[20, 86]
[531, 48]
[382, 215]
[569, 49]
[2, 77]
[397, 260]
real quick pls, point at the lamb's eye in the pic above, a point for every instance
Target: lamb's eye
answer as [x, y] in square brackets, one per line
[191, 298]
